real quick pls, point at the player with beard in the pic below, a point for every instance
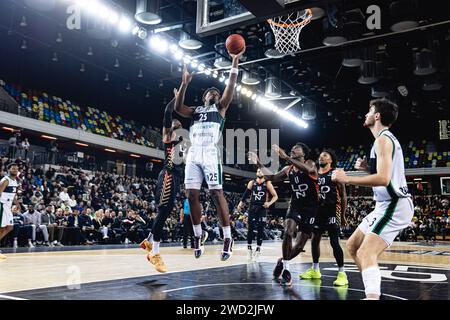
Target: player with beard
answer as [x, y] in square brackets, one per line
[330, 217]
[8, 191]
[258, 190]
[300, 218]
[168, 186]
[393, 204]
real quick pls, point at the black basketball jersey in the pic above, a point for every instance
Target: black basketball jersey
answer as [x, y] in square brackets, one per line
[329, 193]
[305, 190]
[169, 153]
[260, 193]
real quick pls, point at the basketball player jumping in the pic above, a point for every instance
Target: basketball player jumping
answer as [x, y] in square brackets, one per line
[394, 207]
[204, 160]
[330, 217]
[168, 186]
[258, 190]
[8, 191]
[302, 175]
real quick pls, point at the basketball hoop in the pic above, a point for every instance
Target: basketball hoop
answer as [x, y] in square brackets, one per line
[287, 30]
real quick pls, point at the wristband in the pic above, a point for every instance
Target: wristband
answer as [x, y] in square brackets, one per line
[234, 71]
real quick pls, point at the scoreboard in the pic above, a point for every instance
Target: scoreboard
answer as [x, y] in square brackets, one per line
[444, 129]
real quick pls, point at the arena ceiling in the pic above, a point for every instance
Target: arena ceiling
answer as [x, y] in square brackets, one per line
[317, 75]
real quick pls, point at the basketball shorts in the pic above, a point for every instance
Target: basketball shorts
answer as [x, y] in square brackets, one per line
[257, 215]
[388, 219]
[326, 219]
[203, 163]
[304, 217]
[6, 216]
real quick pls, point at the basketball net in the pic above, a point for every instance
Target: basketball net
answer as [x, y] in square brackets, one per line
[286, 30]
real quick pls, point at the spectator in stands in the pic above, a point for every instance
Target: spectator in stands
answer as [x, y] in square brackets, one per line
[20, 229]
[33, 218]
[63, 195]
[87, 227]
[48, 218]
[12, 147]
[72, 232]
[25, 148]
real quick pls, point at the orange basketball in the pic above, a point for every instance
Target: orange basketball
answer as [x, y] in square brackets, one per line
[235, 43]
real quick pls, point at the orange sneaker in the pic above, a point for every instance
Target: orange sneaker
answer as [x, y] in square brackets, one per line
[158, 262]
[146, 245]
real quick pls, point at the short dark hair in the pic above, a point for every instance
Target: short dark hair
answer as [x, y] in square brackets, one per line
[332, 155]
[208, 90]
[12, 165]
[304, 147]
[387, 109]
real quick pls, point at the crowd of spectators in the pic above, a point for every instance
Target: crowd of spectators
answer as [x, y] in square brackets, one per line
[68, 206]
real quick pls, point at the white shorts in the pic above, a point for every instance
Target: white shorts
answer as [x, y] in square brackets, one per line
[6, 216]
[203, 163]
[388, 219]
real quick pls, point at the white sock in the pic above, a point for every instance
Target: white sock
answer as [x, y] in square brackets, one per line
[155, 249]
[341, 269]
[198, 230]
[226, 232]
[150, 237]
[316, 266]
[372, 280]
[286, 264]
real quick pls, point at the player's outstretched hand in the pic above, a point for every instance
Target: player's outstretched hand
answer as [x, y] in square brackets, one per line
[253, 158]
[187, 77]
[339, 176]
[238, 55]
[281, 153]
[361, 164]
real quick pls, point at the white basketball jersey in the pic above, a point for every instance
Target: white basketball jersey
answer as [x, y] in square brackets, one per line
[10, 191]
[397, 187]
[206, 127]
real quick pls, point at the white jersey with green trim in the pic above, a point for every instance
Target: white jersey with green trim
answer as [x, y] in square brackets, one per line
[397, 187]
[206, 126]
[7, 196]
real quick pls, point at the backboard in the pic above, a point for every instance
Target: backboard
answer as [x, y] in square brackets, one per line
[215, 16]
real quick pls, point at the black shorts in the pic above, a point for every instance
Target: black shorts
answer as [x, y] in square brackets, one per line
[256, 215]
[304, 217]
[166, 189]
[326, 219]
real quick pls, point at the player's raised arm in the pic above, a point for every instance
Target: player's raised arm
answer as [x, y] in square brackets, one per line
[180, 107]
[308, 166]
[268, 175]
[383, 148]
[167, 121]
[228, 94]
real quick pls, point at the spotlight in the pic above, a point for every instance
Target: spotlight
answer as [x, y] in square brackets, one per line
[159, 44]
[244, 90]
[178, 55]
[207, 72]
[113, 18]
[249, 93]
[201, 67]
[124, 24]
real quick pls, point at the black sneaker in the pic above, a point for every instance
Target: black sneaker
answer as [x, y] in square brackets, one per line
[198, 248]
[227, 251]
[286, 278]
[278, 269]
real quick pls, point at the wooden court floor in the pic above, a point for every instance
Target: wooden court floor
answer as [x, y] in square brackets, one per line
[32, 275]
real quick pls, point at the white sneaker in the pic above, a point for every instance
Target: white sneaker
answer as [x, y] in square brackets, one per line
[30, 244]
[55, 243]
[105, 237]
[256, 255]
[15, 245]
[127, 241]
[249, 255]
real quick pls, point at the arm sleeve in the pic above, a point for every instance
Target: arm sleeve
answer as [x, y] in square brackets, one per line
[246, 194]
[168, 114]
